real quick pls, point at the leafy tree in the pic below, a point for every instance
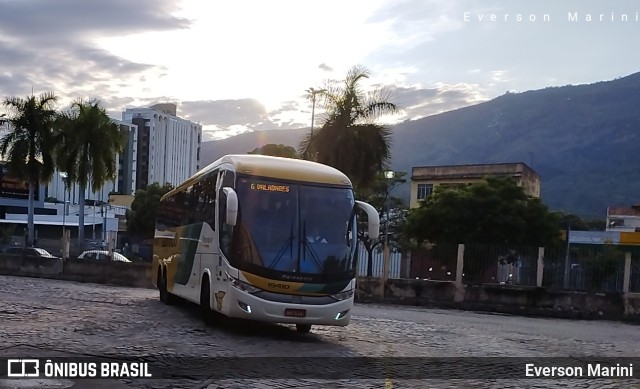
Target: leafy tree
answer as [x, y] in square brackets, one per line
[87, 146]
[276, 150]
[600, 264]
[576, 223]
[141, 219]
[29, 144]
[494, 211]
[376, 195]
[349, 139]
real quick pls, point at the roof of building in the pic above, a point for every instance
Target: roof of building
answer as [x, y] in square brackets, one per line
[52, 222]
[623, 211]
[469, 171]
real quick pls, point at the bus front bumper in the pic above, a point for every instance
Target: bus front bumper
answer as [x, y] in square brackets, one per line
[247, 306]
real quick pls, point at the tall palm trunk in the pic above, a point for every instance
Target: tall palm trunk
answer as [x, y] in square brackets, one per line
[30, 212]
[81, 218]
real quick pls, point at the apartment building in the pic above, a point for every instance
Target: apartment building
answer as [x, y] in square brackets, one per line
[168, 147]
[425, 178]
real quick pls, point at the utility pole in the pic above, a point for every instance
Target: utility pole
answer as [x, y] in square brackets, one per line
[313, 92]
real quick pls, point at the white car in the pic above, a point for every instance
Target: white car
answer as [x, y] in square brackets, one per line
[103, 255]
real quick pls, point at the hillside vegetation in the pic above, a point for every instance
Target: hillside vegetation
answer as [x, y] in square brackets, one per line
[582, 140]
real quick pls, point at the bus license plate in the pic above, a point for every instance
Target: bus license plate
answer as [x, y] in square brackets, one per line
[295, 312]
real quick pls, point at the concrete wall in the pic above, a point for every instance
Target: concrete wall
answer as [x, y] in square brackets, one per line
[111, 273]
[529, 301]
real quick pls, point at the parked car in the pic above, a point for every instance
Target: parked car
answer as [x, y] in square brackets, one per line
[31, 252]
[103, 255]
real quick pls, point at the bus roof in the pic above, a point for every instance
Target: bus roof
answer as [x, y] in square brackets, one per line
[273, 167]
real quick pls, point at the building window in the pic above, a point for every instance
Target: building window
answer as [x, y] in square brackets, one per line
[618, 222]
[424, 190]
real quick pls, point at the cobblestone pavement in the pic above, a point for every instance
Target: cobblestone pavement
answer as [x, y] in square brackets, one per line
[57, 316]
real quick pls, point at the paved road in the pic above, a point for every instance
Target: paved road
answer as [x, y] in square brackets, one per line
[41, 317]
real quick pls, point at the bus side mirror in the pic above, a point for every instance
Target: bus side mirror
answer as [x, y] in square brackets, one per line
[373, 219]
[231, 206]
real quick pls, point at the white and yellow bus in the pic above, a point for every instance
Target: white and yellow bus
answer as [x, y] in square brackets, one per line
[262, 238]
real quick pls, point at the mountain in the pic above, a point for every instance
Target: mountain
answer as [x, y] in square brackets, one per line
[243, 143]
[582, 140]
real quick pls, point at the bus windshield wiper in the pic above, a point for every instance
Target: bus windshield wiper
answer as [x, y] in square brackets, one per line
[306, 246]
[287, 243]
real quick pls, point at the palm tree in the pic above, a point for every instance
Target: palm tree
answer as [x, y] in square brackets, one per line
[88, 144]
[349, 138]
[30, 143]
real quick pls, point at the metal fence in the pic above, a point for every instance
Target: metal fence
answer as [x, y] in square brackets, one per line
[491, 264]
[594, 268]
[435, 262]
[378, 262]
[634, 284]
[598, 268]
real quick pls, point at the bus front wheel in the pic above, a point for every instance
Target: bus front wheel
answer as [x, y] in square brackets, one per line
[303, 328]
[165, 296]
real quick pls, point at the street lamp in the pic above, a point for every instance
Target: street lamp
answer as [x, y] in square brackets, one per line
[388, 174]
[65, 210]
[313, 92]
[64, 176]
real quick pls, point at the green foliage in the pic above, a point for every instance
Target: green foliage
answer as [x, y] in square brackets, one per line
[88, 141]
[376, 195]
[494, 211]
[599, 264]
[276, 150]
[349, 139]
[576, 223]
[6, 233]
[141, 218]
[30, 143]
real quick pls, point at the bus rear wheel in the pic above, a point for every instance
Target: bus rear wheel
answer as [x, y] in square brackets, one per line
[205, 303]
[303, 328]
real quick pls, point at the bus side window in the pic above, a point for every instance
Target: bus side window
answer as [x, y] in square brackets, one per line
[207, 201]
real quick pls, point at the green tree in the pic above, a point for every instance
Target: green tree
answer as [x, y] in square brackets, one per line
[87, 146]
[349, 138]
[30, 143]
[576, 223]
[493, 211]
[600, 265]
[141, 219]
[276, 150]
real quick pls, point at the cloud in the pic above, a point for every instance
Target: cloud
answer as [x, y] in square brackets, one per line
[222, 118]
[416, 21]
[50, 21]
[48, 45]
[417, 102]
[225, 113]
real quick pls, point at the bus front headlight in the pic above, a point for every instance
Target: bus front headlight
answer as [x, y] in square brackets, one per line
[243, 286]
[343, 295]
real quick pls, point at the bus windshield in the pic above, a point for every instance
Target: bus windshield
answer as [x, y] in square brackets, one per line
[296, 228]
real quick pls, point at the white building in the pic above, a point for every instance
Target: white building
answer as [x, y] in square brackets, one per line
[623, 219]
[168, 146]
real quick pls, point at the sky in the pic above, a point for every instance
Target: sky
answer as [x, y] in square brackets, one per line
[244, 65]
